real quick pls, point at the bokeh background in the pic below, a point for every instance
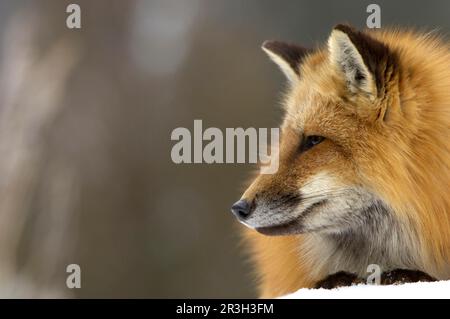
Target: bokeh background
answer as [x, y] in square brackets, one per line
[85, 123]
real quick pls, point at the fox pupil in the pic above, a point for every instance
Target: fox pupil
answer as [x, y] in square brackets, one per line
[311, 141]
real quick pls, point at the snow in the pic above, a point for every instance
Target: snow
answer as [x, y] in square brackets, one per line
[419, 290]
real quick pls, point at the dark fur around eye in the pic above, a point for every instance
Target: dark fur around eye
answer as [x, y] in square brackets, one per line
[310, 141]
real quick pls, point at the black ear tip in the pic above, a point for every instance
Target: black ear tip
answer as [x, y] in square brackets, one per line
[283, 48]
[346, 28]
[270, 45]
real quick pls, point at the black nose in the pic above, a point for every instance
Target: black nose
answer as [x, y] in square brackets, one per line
[241, 209]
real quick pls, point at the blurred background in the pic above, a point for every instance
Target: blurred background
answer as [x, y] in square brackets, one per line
[85, 123]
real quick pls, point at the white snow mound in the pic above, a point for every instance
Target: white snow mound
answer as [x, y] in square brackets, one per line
[419, 290]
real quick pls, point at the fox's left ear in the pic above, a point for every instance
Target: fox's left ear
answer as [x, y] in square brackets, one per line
[287, 56]
[361, 59]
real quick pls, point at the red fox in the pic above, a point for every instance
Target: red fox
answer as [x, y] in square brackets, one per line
[364, 162]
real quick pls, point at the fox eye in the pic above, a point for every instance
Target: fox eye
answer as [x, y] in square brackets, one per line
[311, 141]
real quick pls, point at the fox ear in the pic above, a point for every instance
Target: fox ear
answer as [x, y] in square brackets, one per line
[287, 56]
[361, 59]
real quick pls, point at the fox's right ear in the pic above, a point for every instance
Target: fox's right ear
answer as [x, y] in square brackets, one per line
[287, 56]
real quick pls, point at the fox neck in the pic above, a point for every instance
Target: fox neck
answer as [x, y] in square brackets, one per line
[382, 240]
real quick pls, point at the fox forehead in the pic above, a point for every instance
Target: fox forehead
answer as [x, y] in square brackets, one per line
[319, 101]
[314, 94]
[314, 113]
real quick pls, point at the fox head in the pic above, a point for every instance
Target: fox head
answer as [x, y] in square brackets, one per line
[341, 125]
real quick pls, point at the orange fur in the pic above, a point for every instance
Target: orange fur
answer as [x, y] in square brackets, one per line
[411, 172]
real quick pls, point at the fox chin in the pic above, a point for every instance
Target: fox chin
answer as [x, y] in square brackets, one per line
[364, 162]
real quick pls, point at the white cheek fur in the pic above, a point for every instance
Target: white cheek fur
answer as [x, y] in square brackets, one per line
[318, 187]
